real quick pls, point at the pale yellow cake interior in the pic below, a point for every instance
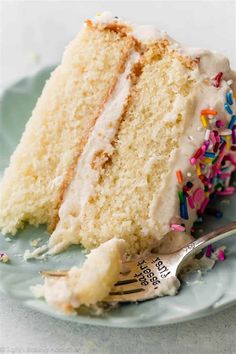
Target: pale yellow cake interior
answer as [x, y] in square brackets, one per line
[123, 196]
[42, 165]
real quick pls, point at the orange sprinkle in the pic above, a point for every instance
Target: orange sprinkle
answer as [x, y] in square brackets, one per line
[207, 112]
[179, 176]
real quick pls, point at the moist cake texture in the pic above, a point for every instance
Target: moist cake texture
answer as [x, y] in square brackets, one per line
[131, 137]
[42, 164]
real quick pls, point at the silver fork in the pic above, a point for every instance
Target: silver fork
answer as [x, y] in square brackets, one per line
[145, 276]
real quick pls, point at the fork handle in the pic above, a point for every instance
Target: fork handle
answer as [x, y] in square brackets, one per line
[212, 237]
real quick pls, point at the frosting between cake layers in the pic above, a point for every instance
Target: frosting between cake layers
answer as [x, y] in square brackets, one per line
[85, 177]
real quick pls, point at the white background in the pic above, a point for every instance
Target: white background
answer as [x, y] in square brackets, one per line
[33, 35]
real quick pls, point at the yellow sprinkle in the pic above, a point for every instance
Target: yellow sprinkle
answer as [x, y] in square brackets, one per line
[204, 121]
[207, 194]
[198, 169]
[228, 142]
[98, 14]
[234, 94]
[207, 160]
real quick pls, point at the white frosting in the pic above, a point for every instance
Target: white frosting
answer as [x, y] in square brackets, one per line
[86, 176]
[165, 203]
[38, 253]
[150, 33]
[104, 18]
[146, 33]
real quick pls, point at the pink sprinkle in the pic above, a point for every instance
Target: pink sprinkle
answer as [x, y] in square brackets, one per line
[219, 123]
[217, 137]
[177, 227]
[215, 170]
[191, 202]
[221, 255]
[206, 145]
[204, 204]
[231, 189]
[217, 79]
[227, 191]
[198, 195]
[193, 161]
[208, 251]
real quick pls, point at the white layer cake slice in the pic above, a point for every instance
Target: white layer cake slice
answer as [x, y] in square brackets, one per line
[132, 135]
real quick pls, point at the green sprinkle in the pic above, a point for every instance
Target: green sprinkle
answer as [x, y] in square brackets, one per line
[181, 196]
[215, 159]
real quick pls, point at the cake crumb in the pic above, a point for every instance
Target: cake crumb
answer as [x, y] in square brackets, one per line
[4, 258]
[34, 243]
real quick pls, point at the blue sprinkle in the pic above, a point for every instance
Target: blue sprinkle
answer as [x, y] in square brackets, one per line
[232, 122]
[185, 212]
[228, 109]
[184, 208]
[210, 154]
[229, 98]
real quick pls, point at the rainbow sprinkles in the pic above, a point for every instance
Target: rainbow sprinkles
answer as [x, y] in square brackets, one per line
[214, 163]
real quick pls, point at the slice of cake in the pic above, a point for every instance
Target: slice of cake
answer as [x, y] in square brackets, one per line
[131, 137]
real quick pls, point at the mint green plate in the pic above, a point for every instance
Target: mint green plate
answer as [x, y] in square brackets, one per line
[215, 290]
